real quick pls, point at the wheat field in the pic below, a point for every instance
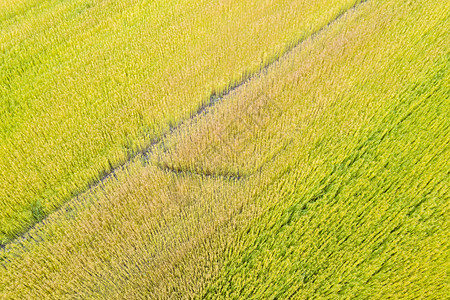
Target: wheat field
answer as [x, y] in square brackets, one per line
[85, 85]
[320, 171]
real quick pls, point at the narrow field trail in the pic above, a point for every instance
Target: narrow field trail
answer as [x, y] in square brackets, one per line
[144, 156]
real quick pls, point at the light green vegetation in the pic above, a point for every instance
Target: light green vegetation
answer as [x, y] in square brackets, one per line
[357, 203]
[346, 193]
[85, 85]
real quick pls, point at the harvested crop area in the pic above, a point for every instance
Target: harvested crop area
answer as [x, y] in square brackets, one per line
[264, 150]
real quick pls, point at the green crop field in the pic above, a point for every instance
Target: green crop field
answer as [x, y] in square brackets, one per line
[229, 150]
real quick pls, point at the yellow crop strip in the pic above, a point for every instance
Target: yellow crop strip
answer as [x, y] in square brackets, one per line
[354, 203]
[84, 85]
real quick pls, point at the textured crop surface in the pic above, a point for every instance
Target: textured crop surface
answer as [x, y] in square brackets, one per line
[85, 85]
[324, 176]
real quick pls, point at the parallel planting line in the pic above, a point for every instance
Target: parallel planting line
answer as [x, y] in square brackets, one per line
[73, 204]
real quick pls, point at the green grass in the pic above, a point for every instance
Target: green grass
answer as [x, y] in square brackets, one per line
[85, 85]
[344, 192]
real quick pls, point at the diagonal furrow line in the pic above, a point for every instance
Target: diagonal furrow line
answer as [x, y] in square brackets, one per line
[206, 174]
[149, 150]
